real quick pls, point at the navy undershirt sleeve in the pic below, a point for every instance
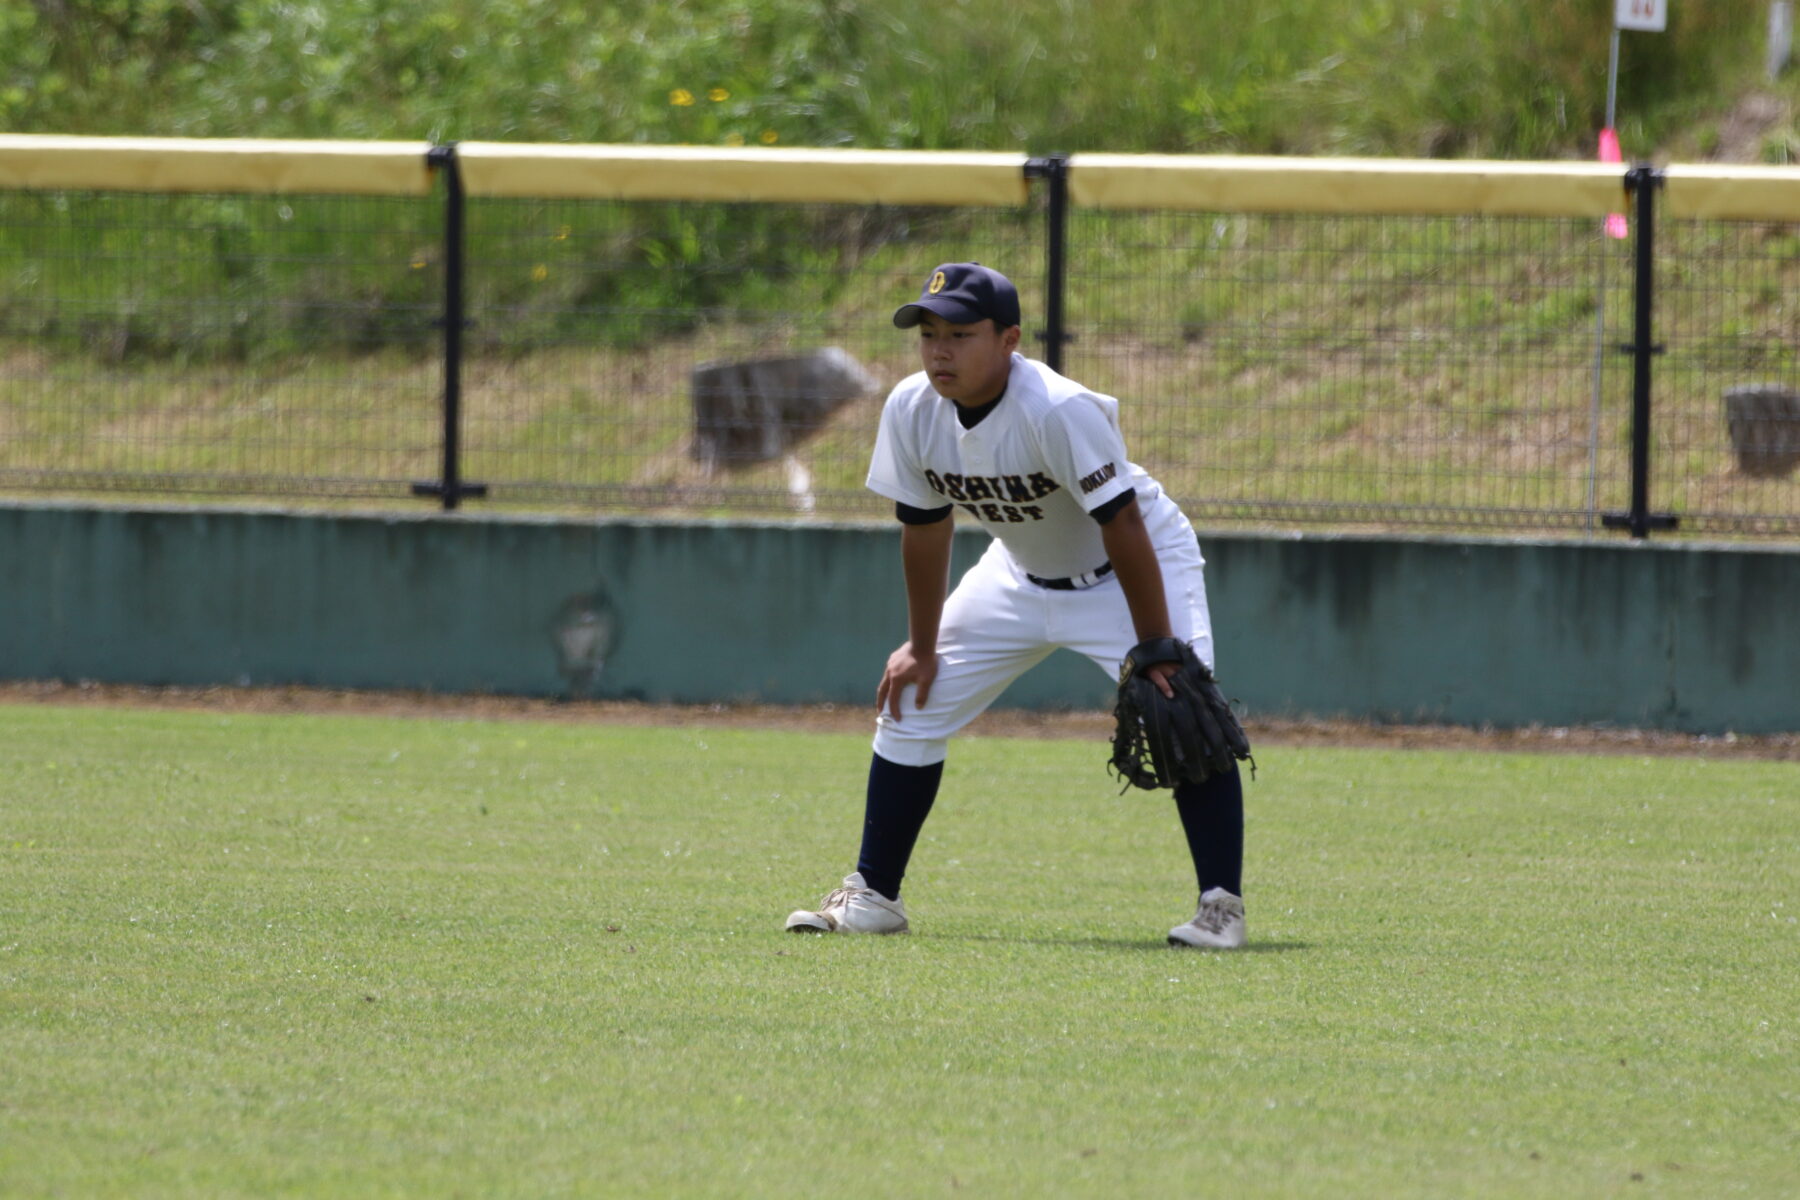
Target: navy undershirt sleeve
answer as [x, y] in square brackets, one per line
[919, 516]
[1110, 509]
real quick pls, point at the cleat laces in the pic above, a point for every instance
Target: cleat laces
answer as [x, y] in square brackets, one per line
[1213, 916]
[838, 903]
[840, 897]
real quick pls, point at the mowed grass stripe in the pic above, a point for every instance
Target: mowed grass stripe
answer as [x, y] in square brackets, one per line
[314, 955]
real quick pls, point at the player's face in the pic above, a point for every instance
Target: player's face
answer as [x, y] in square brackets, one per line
[966, 363]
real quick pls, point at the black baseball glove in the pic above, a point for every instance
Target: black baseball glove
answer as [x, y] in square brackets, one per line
[1159, 741]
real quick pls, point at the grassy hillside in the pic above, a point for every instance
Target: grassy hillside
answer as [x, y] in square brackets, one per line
[1402, 77]
[209, 336]
[1445, 365]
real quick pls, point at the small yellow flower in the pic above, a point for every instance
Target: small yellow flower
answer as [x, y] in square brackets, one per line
[561, 235]
[769, 137]
[734, 139]
[417, 264]
[718, 95]
[540, 273]
[681, 97]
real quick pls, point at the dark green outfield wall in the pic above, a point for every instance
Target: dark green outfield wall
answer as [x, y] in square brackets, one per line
[1705, 639]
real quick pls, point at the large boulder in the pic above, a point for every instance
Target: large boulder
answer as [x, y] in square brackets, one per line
[756, 410]
[1764, 420]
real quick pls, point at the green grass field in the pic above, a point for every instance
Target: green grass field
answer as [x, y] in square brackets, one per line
[310, 955]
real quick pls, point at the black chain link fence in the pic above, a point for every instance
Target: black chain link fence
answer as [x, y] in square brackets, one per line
[218, 345]
[729, 359]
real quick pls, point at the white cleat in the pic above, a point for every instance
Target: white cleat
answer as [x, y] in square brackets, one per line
[1218, 925]
[854, 908]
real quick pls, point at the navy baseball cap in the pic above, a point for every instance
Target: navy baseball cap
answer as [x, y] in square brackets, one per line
[962, 294]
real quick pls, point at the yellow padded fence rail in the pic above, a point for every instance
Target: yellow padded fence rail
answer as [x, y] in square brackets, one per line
[1345, 186]
[45, 162]
[1198, 183]
[705, 173]
[1731, 193]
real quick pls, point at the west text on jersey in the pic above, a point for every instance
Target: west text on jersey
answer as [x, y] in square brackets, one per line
[1000, 514]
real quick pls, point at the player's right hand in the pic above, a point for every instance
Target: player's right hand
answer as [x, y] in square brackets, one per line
[904, 667]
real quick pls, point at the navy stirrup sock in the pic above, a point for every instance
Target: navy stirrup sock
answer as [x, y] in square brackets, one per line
[900, 799]
[1212, 816]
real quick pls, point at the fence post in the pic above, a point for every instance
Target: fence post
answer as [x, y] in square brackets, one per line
[449, 486]
[1055, 170]
[1642, 180]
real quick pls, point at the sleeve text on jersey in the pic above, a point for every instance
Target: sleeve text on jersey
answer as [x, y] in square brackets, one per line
[1093, 480]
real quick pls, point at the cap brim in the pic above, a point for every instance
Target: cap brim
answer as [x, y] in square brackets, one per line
[909, 315]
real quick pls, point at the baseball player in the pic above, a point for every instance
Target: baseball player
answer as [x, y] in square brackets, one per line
[1088, 553]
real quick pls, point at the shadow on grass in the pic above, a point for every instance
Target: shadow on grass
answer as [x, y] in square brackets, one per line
[1146, 945]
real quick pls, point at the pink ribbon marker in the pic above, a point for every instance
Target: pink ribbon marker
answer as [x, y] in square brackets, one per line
[1609, 153]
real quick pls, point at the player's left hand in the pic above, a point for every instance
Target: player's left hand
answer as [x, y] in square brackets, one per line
[1160, 674]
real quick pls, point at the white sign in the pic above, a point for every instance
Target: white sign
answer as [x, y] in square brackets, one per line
[1652, 16]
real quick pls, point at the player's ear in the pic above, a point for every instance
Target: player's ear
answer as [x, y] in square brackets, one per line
[1009, 338]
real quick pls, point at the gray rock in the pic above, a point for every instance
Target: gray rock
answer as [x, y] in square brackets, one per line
[756, 410]
[1764, 420]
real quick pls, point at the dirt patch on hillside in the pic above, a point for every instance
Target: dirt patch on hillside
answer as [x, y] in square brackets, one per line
[1742, 131]
[1087, 726]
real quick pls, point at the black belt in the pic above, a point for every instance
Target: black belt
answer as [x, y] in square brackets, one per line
[1074, 583]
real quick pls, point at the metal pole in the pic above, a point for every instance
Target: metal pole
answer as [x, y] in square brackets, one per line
[1612, 79]
[1643, 180]
[1593, 497]
[1593, 494]
[1781, 38]
[1641, 350]
[450, 487]
[1054, 169]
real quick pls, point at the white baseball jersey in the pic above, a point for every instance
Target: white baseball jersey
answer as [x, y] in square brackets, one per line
[1030, 471]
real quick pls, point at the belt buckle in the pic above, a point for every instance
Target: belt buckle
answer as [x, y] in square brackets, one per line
[1073, 583]
[1091, 578]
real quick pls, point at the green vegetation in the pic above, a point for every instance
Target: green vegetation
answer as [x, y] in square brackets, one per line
[1409, 77]
[304, 955]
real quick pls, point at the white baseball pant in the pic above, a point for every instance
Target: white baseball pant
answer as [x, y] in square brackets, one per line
[997, 625]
